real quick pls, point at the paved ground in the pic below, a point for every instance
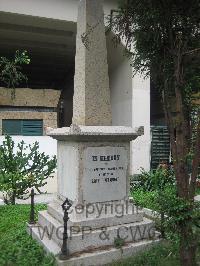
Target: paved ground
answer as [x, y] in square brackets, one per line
[197, 198]
[42, 198]
[46, 198]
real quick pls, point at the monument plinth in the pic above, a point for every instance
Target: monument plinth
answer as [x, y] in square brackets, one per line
[93, 163]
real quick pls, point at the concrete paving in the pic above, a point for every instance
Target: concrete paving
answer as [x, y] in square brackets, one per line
[41, 198]
[197, 198]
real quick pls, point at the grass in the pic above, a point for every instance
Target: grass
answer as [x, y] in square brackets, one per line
[164, 254]
[17, 248]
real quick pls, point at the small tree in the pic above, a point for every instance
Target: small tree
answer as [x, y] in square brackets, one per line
[11, 71]
[23, 169]
[163, 40]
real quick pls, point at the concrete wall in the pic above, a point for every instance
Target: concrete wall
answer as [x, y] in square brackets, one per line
[55, 9]
[46, 145]
[121, 94]
[130, 98]
[30, 98]
[59, 9]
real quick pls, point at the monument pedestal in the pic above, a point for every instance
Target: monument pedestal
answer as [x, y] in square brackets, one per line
[93, 173]
[93, 163]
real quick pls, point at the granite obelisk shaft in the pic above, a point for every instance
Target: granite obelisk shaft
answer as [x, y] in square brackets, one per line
[91, 103]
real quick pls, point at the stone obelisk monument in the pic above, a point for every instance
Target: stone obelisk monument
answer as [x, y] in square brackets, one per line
[91, 89]
[93, 163]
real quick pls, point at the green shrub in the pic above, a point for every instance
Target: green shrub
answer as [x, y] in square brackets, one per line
[156, 190]
[153, 180]
[145, 199]
[23, 169]
[171, 210]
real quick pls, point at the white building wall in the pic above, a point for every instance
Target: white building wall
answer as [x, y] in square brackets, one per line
[140, 152]
[130, 99]
[54, 9]
[121, 94]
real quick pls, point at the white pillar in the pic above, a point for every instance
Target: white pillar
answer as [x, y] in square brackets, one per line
[140, 150]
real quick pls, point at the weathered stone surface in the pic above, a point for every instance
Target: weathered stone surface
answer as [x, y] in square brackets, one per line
[96, 215]
[91, 90]
[87, 245]
[91, 237]
[109, 255]
[68, 169]
[75, 168]
[105, 169]
[91, 133]
[76, 145]
[29, 97]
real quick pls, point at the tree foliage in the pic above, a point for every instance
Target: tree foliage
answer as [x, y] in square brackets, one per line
[21, 168]
[157, 190]
[11, 70]
[153, 180]
[163, 39]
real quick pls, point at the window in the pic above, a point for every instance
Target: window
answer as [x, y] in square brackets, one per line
[160, 146]
[22, 127]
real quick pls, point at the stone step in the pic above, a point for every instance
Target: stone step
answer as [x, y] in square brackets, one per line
[55, 210]
[47, 242]
[82, 238]
[53, 226]
[101, 256]
[109, 255]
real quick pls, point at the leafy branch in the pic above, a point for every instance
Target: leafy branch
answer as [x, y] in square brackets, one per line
[23, 167]
[11, 70]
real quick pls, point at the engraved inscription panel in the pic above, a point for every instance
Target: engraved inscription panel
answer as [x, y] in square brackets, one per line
[105, 174]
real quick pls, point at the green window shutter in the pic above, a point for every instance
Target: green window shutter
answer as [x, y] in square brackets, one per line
[11, 127]
[32, 127]
[160, 145]
[22, 127]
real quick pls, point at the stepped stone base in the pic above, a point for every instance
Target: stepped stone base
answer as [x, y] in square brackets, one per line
[93, 241]
[94, 219]
[99, 256]
[103, 257]
[48, 244]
